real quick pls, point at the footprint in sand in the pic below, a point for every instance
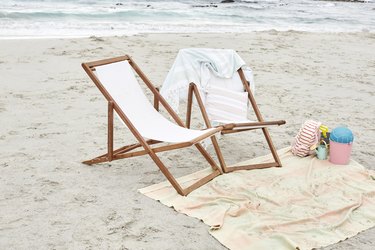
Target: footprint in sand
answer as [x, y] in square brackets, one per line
[48, 187]
[12, 132]
[96, 39]
[48, 135]
[85, 199]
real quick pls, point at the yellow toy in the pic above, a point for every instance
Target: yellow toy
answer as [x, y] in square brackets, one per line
[324, 130]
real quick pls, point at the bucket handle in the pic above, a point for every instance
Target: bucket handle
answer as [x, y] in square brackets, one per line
[323, 142]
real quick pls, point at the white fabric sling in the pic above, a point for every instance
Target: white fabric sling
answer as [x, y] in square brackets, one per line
[225, 100]
[223, 105]
[120, 82]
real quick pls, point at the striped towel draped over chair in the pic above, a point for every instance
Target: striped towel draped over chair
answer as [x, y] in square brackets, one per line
[206, 68]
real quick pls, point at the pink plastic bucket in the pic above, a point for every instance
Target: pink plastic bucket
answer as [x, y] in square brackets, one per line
[341, 142]
[340, 153]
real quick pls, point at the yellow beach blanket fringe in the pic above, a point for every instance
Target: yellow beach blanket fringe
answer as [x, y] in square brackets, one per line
[308, 203]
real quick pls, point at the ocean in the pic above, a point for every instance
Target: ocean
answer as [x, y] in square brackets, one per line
[79, 18]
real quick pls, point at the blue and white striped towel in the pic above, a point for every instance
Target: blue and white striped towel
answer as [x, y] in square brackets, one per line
[199, 65]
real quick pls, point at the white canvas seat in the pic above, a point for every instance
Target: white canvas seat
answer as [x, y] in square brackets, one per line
[120, 82]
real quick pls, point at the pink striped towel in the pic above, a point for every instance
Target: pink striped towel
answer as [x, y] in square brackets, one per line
[307, 137]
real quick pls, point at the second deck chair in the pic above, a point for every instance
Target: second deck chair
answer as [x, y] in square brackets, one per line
[116, 80]
[205, 60]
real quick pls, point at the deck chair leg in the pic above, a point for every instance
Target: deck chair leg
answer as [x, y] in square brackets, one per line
[110, 152]
[110, 131]
[218, 152]
[156, 101]
[174, 182]
[166, 173]
[193, 90]
[272, 147]
[189, 105]
[207, 156]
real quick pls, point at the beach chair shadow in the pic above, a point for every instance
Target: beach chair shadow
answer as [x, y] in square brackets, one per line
[115, 78]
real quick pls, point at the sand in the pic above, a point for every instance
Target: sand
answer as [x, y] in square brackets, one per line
[52, 118]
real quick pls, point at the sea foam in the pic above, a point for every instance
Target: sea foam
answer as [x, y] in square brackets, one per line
[58, 18]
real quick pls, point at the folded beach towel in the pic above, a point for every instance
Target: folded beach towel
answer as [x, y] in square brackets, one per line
[307, 137]
[199, 65]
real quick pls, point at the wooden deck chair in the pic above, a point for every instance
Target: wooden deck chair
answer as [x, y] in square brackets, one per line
[116, 80]
[235, 126]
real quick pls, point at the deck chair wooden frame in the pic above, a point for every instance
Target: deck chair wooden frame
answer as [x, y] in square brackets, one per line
[128, 150]
[235, 127]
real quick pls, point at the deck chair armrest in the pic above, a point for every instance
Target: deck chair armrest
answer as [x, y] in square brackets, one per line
[207, 134]
[255, 124]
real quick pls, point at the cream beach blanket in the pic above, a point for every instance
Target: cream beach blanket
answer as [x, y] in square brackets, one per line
[308, 203]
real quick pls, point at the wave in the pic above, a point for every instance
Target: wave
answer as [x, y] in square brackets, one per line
[130, 14]
[119, 17]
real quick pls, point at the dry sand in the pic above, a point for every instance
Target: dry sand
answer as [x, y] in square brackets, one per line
[53, 117]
